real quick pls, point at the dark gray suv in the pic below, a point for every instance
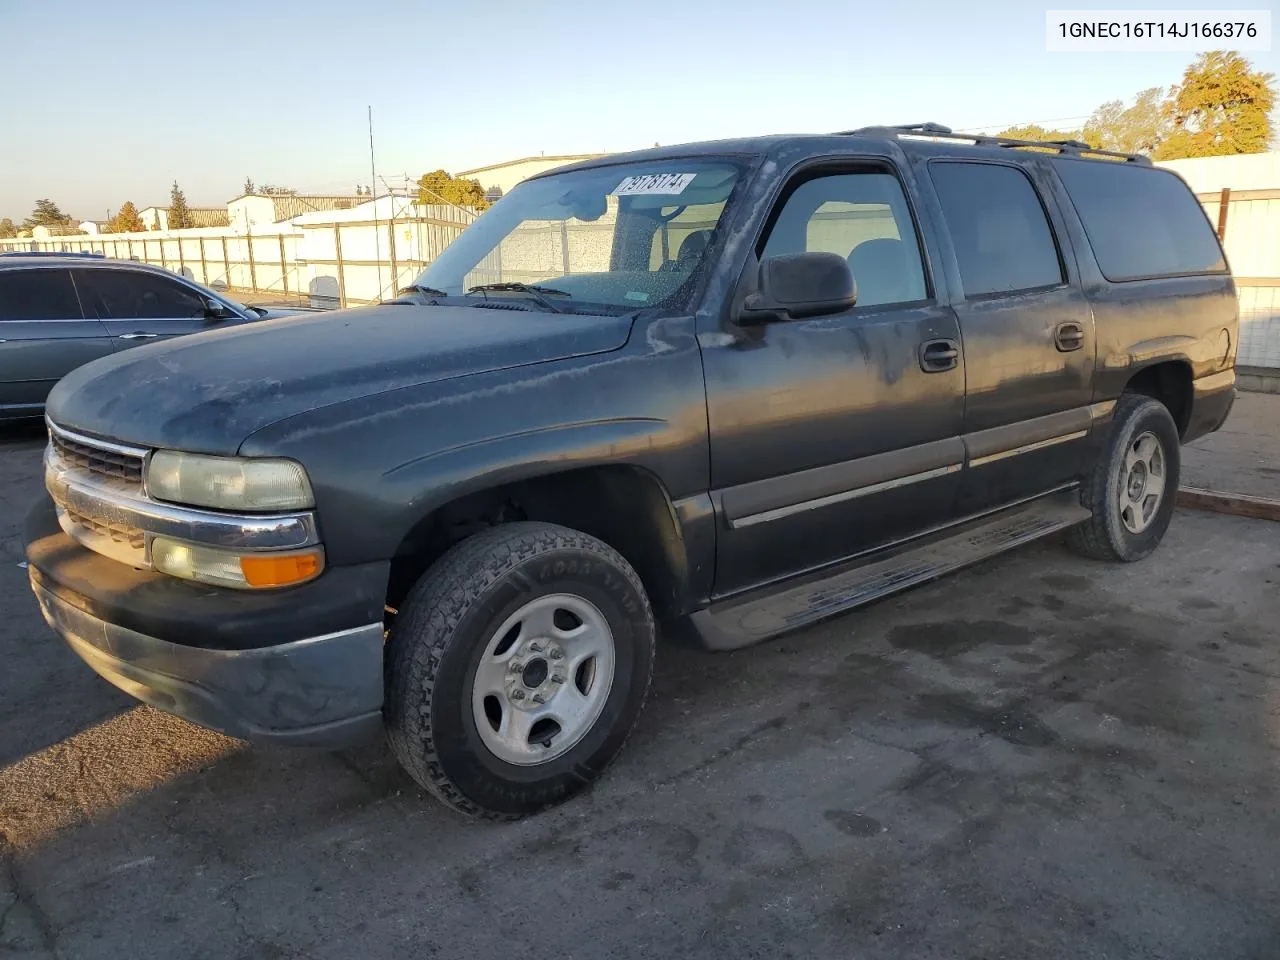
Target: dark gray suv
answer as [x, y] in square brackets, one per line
[58, 312]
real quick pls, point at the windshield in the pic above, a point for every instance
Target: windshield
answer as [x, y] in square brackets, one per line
[626, 236]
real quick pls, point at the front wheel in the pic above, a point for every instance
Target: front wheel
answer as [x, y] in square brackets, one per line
[1132, 489]
[517, 667]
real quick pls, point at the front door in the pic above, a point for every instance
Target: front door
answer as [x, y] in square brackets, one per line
[43, 336]
[832, 435]
[139, 306]
[1027, 328]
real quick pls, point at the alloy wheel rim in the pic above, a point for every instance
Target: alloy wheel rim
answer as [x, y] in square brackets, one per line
[1142, 482]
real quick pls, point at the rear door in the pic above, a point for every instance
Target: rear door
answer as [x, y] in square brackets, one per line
[43, 336]
[1027, 328]
[139, 306]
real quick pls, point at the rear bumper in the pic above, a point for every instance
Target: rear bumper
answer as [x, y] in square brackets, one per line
[321, 691]
[1211, 402]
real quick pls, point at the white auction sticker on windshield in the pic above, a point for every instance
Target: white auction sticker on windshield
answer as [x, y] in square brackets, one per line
[667, 184]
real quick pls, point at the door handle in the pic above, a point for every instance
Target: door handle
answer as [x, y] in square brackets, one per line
[1068, 336]
[939, 355]
[138, 336]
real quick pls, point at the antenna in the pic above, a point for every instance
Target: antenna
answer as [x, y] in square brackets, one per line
[377, 231]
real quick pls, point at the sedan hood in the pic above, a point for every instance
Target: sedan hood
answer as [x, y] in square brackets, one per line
[209, 391]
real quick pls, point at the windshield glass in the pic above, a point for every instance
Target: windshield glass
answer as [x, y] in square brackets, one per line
[626, 236]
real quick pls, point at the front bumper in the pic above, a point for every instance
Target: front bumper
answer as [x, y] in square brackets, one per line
[299, 666]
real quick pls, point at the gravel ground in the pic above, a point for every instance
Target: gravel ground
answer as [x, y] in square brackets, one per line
[1041, 757]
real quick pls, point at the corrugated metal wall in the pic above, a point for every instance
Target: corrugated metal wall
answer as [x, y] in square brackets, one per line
[1252, 242]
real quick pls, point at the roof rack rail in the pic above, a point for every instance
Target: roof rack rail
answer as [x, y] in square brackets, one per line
[1072, 148]
[52, 253]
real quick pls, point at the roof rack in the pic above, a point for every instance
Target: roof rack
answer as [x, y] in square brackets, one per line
[1074, 148]
[52, 253]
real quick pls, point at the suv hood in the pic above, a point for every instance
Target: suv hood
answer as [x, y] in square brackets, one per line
[209, 391]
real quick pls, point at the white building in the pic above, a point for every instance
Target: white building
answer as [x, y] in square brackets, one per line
[157, 218]
[1248, 171]
[252, 210]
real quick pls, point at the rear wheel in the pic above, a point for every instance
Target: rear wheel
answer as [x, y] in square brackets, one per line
[517, 667]
[1133, 487]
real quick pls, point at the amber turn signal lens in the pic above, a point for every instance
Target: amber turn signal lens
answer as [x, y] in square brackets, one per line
[280, 569]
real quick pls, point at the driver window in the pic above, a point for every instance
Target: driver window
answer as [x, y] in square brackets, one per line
[862, 217]
[136, 295]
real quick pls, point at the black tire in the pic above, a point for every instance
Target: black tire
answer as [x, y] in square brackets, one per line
[441, 633]
[1104, 536]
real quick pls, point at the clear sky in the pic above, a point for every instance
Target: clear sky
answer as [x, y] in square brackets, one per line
[102, 102]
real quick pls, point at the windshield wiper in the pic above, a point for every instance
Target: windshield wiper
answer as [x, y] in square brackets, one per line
[538, 293]
[424, 290]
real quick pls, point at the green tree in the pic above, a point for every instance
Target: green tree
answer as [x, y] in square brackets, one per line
[1222, 107]
[1140, 128]
[1033, 131]
[179, 212]
[7, 229]
[439, 187]
[248, 185]
[126, 220]
[46, 214]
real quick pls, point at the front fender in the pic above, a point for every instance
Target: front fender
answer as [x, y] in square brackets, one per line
[380, 464]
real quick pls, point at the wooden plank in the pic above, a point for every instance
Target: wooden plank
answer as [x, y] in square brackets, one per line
[1224, 204]
[342, 279]
[1234, 504]
[284, 271]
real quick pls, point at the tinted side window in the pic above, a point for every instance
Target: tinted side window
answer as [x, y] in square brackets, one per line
[864, 218]
[134, 295]
[998, 227]
[1140, 222]
[38, 295]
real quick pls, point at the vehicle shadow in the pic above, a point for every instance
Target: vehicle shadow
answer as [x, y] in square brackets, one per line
[18, 432]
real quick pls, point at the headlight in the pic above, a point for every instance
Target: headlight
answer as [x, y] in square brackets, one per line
[228, 483]
[225, 569]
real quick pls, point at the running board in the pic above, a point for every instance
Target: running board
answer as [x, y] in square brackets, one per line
[742, 622]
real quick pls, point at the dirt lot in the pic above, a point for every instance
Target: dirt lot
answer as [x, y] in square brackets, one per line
[1040, 758]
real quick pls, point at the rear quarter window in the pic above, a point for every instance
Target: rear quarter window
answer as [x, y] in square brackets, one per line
[1142, 223]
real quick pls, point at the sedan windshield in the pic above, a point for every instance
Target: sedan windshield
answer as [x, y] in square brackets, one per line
[626, 236]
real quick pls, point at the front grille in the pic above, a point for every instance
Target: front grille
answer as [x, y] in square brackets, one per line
[97, 461]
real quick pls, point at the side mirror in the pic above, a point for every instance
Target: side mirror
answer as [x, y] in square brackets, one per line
[215, 309]
[798, 285]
